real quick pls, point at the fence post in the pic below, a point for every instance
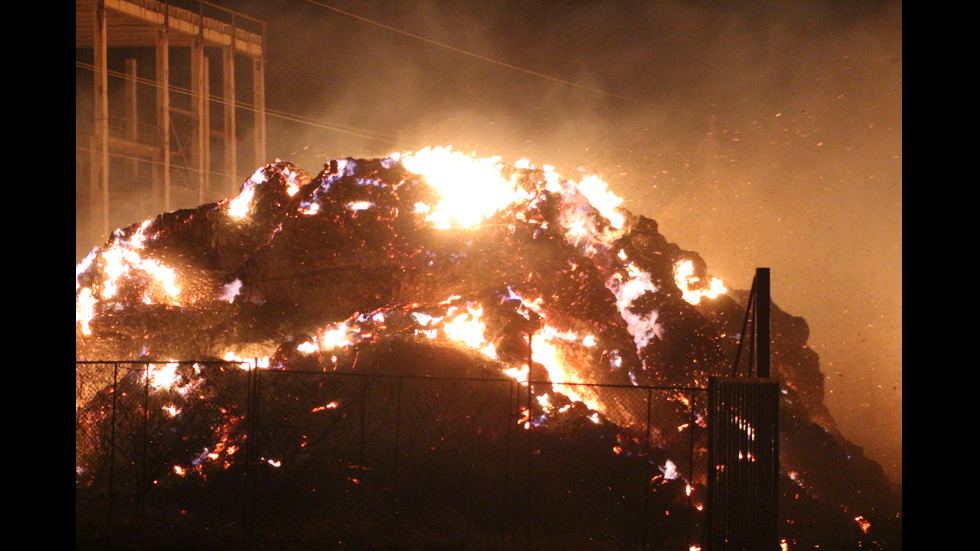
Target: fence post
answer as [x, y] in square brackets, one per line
[112, 444]
[647, 478]
[397, 452]
[251, 449]
[144, 486]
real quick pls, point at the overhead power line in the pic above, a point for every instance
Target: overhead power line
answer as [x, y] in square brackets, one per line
[471, 54]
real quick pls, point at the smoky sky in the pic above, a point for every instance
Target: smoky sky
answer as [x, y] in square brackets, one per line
[758, 134]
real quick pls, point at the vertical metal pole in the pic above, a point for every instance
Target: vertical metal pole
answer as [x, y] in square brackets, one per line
[144, 482]
[254, 430]
[513, 405]
[690, 467]
[647, 477]
[753, 336]
[530, 453]
[397, 453]
[112, 443]
[363, 444]
[762, 324]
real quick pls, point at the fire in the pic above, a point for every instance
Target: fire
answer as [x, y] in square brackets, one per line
[163, 376]
[863, 523]
[691, 285]
[122, 260]
[245, 363]
[469, 330]
[85, 310]
[241, 205]
[471, 189]
[334, 337]
[545, 347]
[597, 192]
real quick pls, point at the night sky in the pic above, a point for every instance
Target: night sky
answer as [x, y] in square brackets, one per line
[757, 134]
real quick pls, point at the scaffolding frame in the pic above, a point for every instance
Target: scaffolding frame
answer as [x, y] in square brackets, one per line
[164, 25]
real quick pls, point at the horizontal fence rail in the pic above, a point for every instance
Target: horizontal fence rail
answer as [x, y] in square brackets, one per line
[224, 455]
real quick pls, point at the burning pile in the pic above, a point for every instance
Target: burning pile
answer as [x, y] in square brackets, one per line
[438, 250]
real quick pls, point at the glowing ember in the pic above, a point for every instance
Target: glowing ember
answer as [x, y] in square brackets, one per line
[239, 206]
[863, 523]
[163, 376]
[469, 330]
[245, 363]
[332, 405]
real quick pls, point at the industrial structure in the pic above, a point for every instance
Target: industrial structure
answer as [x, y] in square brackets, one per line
[743, 440]
[159, 120]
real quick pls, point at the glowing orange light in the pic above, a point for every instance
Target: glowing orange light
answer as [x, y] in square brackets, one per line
[691, 285]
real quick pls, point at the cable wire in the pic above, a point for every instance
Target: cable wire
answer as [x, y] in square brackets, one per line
[350, 130]
[471, 54]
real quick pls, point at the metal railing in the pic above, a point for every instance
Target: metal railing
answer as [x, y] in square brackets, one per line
[223, 454]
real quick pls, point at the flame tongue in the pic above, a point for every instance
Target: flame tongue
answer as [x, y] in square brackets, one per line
[470, 189]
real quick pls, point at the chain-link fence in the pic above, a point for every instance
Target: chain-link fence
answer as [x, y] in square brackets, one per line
[220, 455]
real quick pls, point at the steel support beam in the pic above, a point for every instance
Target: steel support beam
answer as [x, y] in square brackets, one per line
[199, 96]
[258, 80]
[163, 113]
[231, 145]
